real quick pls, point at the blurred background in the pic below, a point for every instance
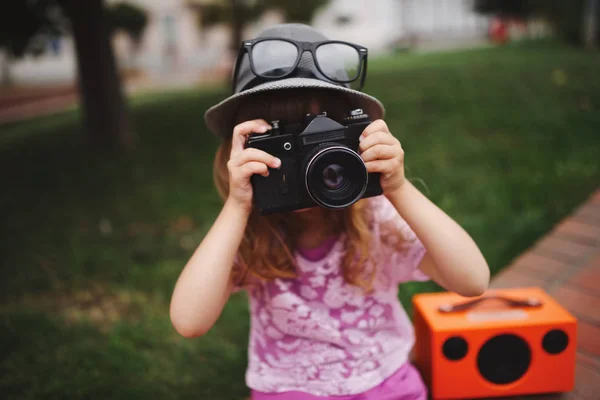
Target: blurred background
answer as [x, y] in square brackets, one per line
[105, 162]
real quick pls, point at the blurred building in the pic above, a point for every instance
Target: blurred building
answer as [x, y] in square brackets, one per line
[170, 42]
[384, 25]
[174, 48]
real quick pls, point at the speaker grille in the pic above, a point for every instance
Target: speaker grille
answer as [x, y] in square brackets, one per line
[455, 348]
[504, 359]
[555, 341]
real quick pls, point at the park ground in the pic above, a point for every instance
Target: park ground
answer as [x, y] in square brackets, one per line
[505, 140]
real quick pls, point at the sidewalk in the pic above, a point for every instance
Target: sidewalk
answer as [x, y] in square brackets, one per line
[37, 107]
[566, 263]
[35, 102]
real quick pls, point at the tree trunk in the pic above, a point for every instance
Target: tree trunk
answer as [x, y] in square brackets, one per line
[105, 113]
[237, 25]
[590, 23]
[5, 70]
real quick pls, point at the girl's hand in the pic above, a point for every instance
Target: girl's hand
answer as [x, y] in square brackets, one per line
[382, 152]
[243, 163]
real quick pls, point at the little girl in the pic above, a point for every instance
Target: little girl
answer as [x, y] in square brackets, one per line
[326, 322]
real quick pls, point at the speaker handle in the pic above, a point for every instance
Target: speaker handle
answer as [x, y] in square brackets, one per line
[450, 308]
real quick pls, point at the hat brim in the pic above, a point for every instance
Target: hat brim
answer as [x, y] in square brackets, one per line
[219, 118]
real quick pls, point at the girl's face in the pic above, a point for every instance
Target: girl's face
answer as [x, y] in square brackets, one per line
[315, 107]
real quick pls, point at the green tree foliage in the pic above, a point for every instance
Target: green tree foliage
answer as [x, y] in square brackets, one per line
[128, 18]
[27, 25]
[221, 12]
[238, 13]
[296, 11]
[510, 8]
[565, 16]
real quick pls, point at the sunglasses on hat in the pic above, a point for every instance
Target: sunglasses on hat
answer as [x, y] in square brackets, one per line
[272, 58]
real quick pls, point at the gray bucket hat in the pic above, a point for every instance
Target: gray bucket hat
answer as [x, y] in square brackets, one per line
[220, 117]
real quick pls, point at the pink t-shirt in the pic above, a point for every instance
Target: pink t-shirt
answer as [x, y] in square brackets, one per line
[318, 335]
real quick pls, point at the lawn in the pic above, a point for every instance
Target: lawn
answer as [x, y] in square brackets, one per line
[506, 141]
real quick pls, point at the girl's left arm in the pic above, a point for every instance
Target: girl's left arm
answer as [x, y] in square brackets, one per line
[453, 260]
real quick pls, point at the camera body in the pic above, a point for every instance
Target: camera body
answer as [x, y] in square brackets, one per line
[320, 164]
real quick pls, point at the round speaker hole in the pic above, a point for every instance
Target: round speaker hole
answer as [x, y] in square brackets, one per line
[455, 348]
[555, 341]
[504, 359]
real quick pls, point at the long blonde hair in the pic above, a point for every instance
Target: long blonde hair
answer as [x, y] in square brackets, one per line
[269, 242]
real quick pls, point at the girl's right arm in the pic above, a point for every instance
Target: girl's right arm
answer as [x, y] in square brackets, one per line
[204, 285]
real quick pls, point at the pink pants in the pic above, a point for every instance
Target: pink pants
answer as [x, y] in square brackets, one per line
[404, 384]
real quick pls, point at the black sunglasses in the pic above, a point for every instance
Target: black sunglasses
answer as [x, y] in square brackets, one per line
[284, 56]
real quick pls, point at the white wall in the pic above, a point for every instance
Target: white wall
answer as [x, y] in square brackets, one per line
[372, 23]
[377, 24]
[50, 68]
[443, 17]
[169, 22]
[170, 35]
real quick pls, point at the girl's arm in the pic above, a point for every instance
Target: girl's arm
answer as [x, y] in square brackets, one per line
[453, 260]
[204, 286]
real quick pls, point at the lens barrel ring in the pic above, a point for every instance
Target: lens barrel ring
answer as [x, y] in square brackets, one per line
[316, 155]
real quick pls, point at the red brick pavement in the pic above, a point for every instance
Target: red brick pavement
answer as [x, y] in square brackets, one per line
[23, 103]
[566, 263]
[37, 107]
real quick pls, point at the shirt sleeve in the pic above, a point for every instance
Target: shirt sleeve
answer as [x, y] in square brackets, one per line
[400, 250]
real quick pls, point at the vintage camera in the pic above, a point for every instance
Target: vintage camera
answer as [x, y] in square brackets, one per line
[320, 164]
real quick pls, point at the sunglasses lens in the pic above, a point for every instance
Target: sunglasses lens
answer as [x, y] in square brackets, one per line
[274, 58]
[338, 61]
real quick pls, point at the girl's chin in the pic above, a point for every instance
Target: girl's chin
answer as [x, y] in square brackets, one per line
[305, 210]
[302, 210]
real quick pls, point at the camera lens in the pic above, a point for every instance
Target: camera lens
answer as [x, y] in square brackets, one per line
[335, 176]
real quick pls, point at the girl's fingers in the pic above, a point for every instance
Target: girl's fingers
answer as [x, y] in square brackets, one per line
[243, 173]
[375, 138]
[386, 167]
[375, 126]
[377, 166]
[252, 154]
[254, 167]
[241, 131]
[379, 152]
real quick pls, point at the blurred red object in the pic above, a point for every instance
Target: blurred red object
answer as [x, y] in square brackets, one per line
[498, 31]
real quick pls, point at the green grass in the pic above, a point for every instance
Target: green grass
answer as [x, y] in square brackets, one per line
[506, 141]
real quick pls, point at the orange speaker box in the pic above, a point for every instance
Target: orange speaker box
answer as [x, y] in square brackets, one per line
[507, 342]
